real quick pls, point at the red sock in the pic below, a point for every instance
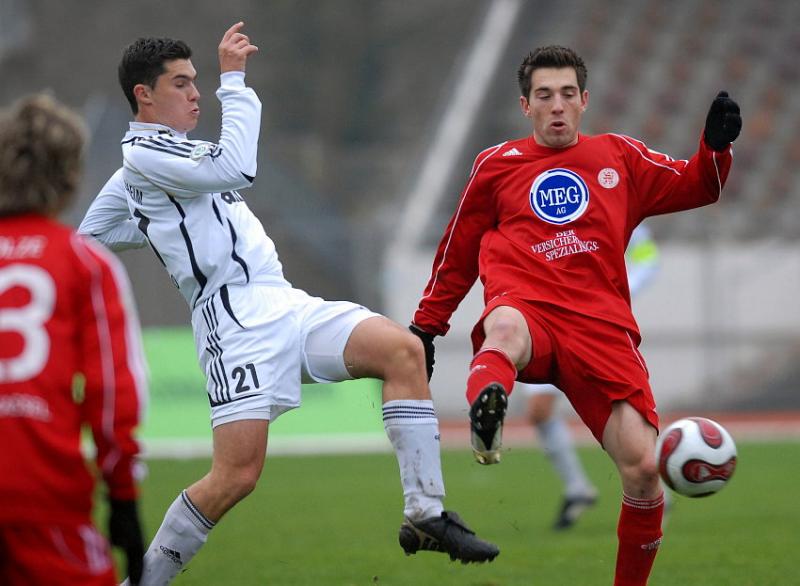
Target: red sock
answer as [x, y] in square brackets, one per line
[490, 365]
[639, 533]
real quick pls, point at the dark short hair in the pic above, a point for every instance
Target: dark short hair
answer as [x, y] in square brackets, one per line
[41, 155]
[143, 61]
[550, 56]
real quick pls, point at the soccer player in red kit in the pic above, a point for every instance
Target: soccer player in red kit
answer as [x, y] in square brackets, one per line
[66, 314]
[544, 222]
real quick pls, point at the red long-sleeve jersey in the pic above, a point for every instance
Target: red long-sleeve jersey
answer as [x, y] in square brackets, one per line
[550, 226]
[66, 314]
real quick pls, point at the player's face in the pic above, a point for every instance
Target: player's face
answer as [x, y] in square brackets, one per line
[555, 106]
[174, 100]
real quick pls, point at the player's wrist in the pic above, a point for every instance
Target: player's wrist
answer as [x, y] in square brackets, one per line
[716, 145]
[420, 333]
[232, 79]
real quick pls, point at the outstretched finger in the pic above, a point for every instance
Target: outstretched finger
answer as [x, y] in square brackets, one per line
[231, 31]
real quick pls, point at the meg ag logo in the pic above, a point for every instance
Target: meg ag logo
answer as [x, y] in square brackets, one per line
[559, 196]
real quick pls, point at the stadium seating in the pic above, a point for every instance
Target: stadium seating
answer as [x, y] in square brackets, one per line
[353, 90]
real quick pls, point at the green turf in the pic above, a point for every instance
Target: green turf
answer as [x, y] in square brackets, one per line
[333, 521]
[178, 407]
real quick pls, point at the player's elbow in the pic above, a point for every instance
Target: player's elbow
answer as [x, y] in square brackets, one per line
[101, 237]
[238, 175]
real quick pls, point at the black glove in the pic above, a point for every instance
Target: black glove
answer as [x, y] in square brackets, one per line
[125, 532]
[427, 343]
[723, 122]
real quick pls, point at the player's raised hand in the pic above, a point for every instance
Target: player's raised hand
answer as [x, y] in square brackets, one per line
[723, 123]
[234, 49]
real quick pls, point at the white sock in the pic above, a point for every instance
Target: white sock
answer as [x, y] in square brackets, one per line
[557, 443]
[181, 535]
[413, 429]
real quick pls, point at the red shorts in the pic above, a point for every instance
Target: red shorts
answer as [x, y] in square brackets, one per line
[55, 555]
[594, 362]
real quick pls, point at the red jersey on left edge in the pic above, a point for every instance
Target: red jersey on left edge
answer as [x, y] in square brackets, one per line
[550, 226]
[65, 308]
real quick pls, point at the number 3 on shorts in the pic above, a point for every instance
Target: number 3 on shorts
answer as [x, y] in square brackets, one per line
[28, 321]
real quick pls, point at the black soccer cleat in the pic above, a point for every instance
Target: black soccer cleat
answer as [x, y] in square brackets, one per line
[486, 423]
[571, 510]
[448, 534]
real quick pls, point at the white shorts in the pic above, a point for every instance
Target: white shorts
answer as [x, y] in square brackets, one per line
[257, 343]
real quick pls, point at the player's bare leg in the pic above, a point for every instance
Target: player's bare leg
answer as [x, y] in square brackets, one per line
[239, 452]
[630, 441]
[240, 448]
[557, 445]
[506, 349]
[380, 348]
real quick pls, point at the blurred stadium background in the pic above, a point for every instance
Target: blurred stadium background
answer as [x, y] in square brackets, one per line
[373, 112]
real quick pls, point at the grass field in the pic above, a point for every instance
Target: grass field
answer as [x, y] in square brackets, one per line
[333, 520]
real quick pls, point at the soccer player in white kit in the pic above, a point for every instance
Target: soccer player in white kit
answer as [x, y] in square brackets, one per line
[641, 260]
[257, 337]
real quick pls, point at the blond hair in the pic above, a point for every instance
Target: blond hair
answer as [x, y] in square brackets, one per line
[41, 144]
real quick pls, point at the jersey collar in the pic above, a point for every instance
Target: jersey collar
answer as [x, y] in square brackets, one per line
[151, 129]
[538, 149]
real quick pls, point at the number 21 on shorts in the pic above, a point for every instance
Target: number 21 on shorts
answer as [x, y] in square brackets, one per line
[240, 375]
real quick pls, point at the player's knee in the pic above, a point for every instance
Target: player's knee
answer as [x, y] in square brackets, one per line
[244, 481]
[539, 410]
[642, 473]
[237, 482]
[507, 334]
[407, 357]
[648, 470]
[537, 416]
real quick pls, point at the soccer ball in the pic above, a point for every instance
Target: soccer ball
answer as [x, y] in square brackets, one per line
[696, 456]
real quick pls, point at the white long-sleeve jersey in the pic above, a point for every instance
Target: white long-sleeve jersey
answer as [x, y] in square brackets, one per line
[181, 195]
[109, 218]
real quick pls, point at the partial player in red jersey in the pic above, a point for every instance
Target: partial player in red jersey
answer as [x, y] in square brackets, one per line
[544, 222]
[70, 355]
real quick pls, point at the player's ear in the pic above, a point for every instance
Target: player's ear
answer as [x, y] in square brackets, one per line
[525, 106]
[143, 94]
[584, 100]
